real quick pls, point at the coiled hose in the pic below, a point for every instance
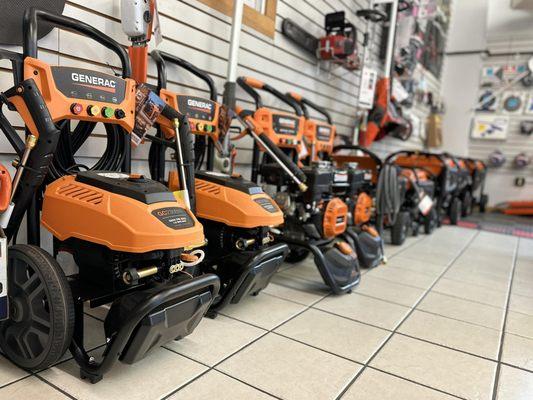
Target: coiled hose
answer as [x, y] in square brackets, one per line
[71, 141]
[388, 197]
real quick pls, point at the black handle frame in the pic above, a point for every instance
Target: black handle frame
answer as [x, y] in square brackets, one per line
[30, 25]
[161, 58]
[364, 150]
[304, 103]
[269, 89]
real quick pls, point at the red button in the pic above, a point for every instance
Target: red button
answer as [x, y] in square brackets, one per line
[76, 108]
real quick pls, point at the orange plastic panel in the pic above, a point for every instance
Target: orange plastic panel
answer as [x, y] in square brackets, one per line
[335, 218]
[233, 207]
[60, 105]
[265, 119]
[5, 188]
[363, 209]
[321, 135]
[112, 220]
[197, 124]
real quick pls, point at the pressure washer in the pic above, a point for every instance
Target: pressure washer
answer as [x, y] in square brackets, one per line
[237, 215]
[136, 247]
[386, 186]
[315, 219]
[445, 171]
[351, 183]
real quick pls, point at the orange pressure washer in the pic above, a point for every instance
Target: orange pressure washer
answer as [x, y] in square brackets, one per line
[385, 186]
[237, 214]
[447, 176]
[315, 219]
[419, 191]
[351, 183]
[135, 246]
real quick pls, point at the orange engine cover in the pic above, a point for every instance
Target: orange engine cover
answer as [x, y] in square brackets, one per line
[238, 208]
[248, 207]
[335, 218]
[73, 209]
[363, 209]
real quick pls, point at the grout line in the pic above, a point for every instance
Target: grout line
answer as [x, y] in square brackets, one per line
[408, 315]
[517, 367]
[55, 387]
[504, 324]
[415, 382]
[213, 369]
[247, 384]
[244, 347]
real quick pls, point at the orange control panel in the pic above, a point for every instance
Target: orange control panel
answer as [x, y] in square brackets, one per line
[203, 114]
[284, 129]
[80, 94]
[321, 135]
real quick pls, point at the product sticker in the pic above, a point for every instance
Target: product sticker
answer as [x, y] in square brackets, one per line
[148, 106]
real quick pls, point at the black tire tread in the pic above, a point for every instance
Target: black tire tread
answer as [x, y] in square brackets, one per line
[60, 302]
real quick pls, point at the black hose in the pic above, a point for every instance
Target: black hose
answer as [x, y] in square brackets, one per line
[70, 142]
[388, 197]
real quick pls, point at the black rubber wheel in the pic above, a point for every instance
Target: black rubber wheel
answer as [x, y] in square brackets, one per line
[41, 322]
[431, 221]
[468, 203]
[400, 228]
[455, 211]
[296, 254]
[483, 201]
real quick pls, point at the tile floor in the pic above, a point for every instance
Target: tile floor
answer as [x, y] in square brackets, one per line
[449, 316]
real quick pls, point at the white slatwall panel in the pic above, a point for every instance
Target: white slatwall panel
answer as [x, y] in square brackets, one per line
[500, 184]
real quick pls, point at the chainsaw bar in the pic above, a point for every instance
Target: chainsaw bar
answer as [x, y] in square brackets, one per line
[299, 36]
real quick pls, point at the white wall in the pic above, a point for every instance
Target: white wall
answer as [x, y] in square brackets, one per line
[484, 25]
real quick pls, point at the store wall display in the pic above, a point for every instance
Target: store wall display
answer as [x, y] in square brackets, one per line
[521, 160]
[513, 102]
[497, 159]
[488, 102]
[526, 127]
[489, 127]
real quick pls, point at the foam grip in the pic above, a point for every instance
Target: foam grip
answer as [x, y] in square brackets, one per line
[5, 188]
[255, 83]
[295, 96]
[283, 157]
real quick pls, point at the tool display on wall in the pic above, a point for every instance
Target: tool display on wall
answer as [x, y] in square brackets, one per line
[386, 118]
[489, 127]
[513, 102]
[497, 159]
[338, 46]
[521, 160]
